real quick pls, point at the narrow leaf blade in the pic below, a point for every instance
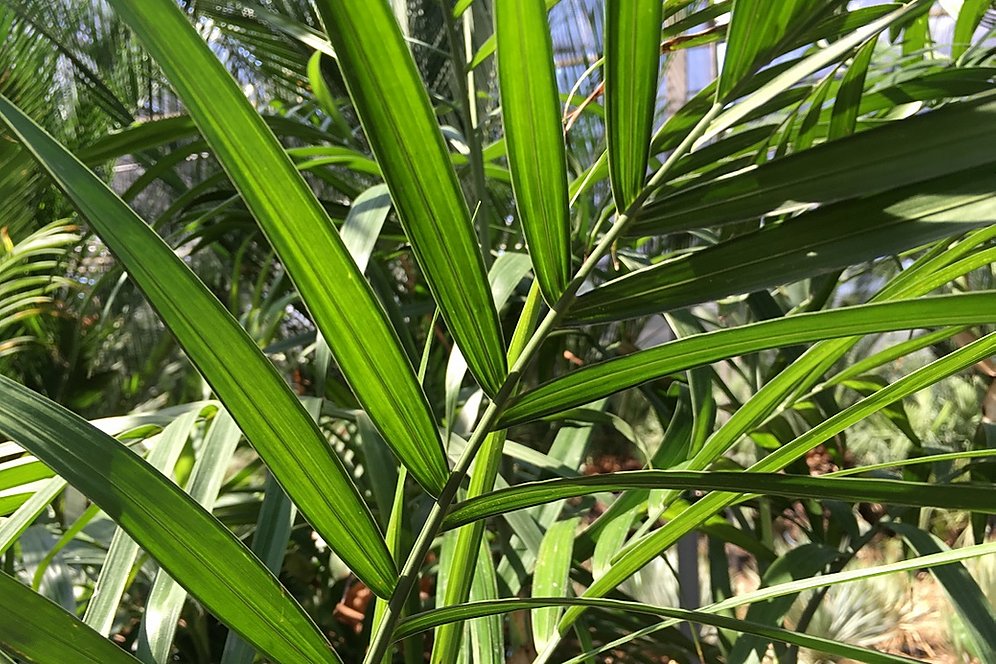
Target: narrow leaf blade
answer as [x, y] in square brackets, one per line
[829, 238]
[551, 578]
[187, 541]
[39, 630]
[267, 411]
[604, 378]
[405, 137]
[535, 140]
[345, 309]
[632, 63]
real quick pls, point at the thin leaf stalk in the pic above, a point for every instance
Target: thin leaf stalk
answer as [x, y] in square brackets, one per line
[468, 544]
[381, 640]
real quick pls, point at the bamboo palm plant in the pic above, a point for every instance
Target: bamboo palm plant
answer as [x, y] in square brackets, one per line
[801, 160]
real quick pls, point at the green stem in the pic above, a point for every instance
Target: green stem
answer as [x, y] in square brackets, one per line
[381, 640]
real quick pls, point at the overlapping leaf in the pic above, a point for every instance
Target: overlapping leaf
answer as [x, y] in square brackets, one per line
[363, 342]
[954, 138]
[188, 542]
[832, 237]
[267, 411]
[891, 492]
[401, 126]
[604, 378]
[34, 627]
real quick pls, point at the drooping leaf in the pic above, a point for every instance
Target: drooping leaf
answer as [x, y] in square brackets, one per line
[534, 136]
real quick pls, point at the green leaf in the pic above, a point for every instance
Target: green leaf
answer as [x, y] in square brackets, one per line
[806, 66]
[459, 567]
[603, 378]
[829, 238]
[968, 21]
[487, 49]
[344, 308]
[409, 147]
[955, 138]
[933, 85]
[22, 470]
[487, 639]
[811, 583]
[802, 562]
[552, 577]
[756, 27]
[359, 234]
[639, 553]
[188, 542]
[534, 137]
[116, 571]
[845, 108]
[893, 492]
[39, 630]
[973, 606]
[150, 134]
[935, 268]
[323, 95]
[269, 543]
[436, 617]
[364, 222]
[464, 560]
[27, 503]
[632, 62]
[506, 272]
[267, 411]
[166, 598]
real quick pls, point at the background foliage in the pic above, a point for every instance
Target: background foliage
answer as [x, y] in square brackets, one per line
[487, 331]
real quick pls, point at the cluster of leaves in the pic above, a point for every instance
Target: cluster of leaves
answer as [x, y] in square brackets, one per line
[428, 262]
